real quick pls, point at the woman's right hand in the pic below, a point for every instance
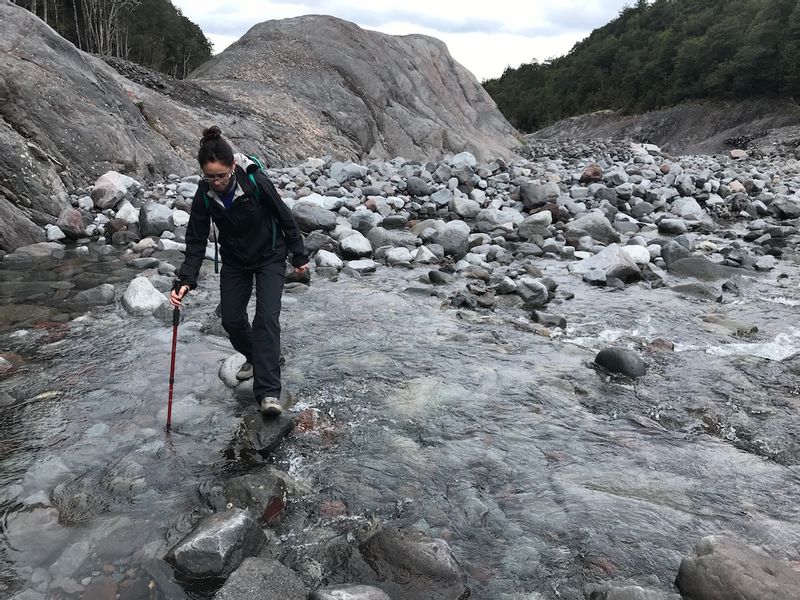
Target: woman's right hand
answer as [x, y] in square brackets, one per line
[177, 294]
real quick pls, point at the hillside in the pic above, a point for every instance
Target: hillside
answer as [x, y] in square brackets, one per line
[659, 54]
[763, 127]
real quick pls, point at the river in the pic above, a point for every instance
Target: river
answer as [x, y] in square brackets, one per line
[541, 472]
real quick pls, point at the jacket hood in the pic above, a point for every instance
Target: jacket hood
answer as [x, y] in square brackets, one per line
[244, 161]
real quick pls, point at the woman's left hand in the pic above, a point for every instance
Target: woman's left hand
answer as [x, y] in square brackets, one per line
[302, 268]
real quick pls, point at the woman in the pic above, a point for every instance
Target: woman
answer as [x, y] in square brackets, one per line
[256, 232]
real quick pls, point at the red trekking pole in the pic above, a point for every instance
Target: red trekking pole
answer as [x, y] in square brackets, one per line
[176, 317]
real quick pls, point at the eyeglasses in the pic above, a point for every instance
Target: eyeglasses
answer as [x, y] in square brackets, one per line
[213, 178]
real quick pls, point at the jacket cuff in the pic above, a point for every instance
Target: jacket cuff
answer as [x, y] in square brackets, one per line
[179, 282]
[299, 260]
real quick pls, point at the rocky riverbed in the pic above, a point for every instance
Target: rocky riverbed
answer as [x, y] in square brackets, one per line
[543, 379]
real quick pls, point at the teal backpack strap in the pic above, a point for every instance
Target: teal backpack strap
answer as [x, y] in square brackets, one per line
[258, 193]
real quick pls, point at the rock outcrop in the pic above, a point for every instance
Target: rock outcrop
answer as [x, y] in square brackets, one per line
[380, 95]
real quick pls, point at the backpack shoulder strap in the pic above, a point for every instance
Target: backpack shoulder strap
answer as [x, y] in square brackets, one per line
[257, 187]
[252, 176]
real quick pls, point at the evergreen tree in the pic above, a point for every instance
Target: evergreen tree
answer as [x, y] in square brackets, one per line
[152, 33]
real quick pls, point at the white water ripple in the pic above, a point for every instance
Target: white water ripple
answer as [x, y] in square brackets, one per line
[783, 347]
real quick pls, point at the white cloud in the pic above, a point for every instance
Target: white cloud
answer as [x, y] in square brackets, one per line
[484, 41]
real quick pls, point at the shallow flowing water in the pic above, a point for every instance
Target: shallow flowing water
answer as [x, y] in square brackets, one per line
[541, 472]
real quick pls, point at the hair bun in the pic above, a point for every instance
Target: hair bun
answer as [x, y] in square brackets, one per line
[212, 133]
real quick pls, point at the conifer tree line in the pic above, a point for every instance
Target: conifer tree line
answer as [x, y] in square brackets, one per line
[152, 33]
[658, 54]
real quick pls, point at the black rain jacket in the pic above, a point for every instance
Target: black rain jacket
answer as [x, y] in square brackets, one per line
[258, 228]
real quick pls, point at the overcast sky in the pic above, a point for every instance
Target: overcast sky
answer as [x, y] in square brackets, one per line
[485, 37]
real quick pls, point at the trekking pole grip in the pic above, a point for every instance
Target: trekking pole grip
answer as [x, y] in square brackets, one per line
[176, 316]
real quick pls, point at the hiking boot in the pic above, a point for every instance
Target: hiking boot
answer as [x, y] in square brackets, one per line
[270, 407]
[245, 372]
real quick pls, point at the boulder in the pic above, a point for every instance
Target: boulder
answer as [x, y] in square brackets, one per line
[465, 208]
[454, 238]
[614, 260]
[35, 253]
[141, 298]
[97, 296]
[534, 195]
[364, 220]
[701, 268]
[265, 435]
[621, 360]
[594, 224]
[155, 219]
[355, 246]
[592, 174]
[70, 221]
[672, 252]
[533, 291]
[217, 545]
[535, 225]
[328, 259]
[399, 256]
[111, 188]
[311, 217]
[344, 172]
[416, 186]
[363, 266]
[258, 579]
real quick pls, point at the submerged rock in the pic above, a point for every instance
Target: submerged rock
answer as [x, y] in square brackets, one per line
[349, 592]
[414, 566]
[720, 568]
[603, 592]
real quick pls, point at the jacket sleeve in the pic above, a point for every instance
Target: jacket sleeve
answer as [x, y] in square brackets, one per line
[294, 239]
[196, 241]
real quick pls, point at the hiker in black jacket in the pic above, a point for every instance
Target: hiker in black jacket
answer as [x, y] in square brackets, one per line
[256, 233]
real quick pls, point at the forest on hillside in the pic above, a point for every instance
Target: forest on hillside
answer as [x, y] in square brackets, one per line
[658, 54]
[152, 33]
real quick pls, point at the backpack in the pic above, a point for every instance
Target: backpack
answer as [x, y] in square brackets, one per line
[251, 175]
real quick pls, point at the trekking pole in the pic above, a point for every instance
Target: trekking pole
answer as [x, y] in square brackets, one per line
[176, 317]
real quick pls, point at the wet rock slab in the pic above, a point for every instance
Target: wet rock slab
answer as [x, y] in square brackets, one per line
[258, 579]
[412, 566]
[217, 545]
[720, 568]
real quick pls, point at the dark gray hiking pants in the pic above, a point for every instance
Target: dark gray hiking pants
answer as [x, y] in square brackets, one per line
[261, 341]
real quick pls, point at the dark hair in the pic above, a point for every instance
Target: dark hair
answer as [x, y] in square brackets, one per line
[213, 148]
